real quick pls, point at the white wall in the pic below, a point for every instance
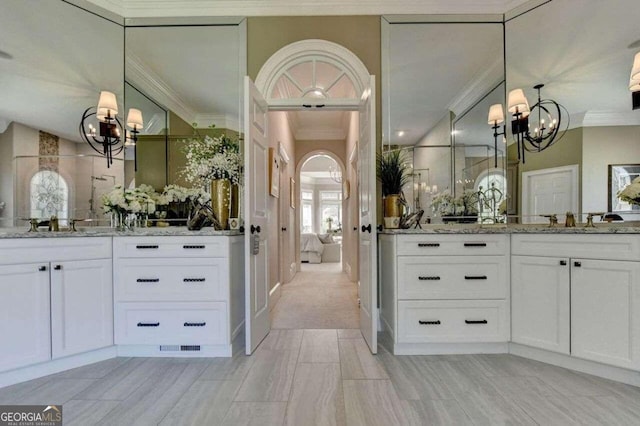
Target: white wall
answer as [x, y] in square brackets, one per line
[602, 146]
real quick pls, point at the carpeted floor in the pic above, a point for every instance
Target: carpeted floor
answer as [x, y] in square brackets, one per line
[320, 296]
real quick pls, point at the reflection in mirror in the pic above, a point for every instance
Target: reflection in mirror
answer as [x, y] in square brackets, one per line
[479, 159]
[194, 73]
[50, 75]
[437, 71]
[583, 56]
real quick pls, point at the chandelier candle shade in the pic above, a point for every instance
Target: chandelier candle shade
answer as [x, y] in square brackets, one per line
[634, 82]
[545, 117]
[106, 138]
[496, 117]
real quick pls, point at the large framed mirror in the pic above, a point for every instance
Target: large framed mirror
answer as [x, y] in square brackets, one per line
[56, 59]
[583, 56]
[436, 73]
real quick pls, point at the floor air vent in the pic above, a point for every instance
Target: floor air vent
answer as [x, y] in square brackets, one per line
[176, 348]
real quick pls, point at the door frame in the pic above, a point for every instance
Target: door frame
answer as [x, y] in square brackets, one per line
[573, 169]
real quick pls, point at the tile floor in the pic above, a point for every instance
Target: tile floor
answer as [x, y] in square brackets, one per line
[327, 377]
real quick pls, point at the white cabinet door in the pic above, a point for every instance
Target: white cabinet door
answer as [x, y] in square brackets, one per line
[605, 311]
[81, 306]
[540, 305]
[24, 315]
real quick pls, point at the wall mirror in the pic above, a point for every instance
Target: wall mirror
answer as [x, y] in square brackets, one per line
[187, 80]
[435, 72]
[55, 60]
[584, 57]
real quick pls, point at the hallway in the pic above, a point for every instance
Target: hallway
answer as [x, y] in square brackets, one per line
[320, 296]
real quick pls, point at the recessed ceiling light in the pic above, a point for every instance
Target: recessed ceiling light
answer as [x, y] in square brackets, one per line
[634, 45]
[400, 133]
[5, 55]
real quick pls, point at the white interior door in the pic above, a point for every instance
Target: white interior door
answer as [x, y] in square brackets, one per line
[256, 156]
[549, 191]
[367, 226]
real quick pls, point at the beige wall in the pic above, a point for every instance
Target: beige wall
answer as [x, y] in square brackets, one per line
[565, 152]
[602, 146]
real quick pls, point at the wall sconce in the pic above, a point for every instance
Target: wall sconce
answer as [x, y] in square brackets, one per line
[548, 116]
[496, 117]
[634, 82]
[105, 139]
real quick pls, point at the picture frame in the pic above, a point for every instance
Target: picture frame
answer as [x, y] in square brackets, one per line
[619, 176]
[274, 174]
[292, 193]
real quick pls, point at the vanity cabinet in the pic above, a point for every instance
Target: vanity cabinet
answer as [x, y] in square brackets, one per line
[444, 289]
[178, 294]
[58, 304]
[585, 303]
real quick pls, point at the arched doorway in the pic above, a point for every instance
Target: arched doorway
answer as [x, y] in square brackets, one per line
[309, 77]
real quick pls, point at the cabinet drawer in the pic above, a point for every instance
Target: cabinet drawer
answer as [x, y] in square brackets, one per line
[171, 323]
[452, 277]
[171, 280]
[467, 321]
[459, 245]
[605, 247]
[155, 247]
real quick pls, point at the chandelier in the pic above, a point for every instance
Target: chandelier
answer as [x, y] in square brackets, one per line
[634, 82]
[106, 139]
[336, 174]
[545, 117]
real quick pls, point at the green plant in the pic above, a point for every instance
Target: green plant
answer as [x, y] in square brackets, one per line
[392, 171]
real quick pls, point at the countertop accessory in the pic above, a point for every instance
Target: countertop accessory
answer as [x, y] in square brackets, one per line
[590, 216]
[570, 220]
[553, 219]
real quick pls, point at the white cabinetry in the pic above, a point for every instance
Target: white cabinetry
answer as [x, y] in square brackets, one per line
[571, 295]
[445, 289]
[58, 304]
[178, 295]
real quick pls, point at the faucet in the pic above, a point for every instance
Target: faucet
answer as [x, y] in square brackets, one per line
[553, 219]
[590, 216]
[570, 221]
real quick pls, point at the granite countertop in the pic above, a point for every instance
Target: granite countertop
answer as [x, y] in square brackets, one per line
[99, 231]
[600, 228]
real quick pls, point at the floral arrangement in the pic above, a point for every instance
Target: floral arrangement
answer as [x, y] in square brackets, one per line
[631, 192]
[446, 204]
[180, 194]
[127, 200]
[212, 158]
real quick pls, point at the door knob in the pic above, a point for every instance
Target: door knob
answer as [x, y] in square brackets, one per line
[379, 228]
[366, 228]
[355, 228]
[255, 229]
[284, 229]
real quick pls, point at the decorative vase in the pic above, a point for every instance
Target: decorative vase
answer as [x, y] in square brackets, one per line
[392, 206]
[118, 220]
[221, 201]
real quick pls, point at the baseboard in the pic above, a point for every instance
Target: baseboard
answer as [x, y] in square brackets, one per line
[618, 374]
[154, 351]
[239, 329]
[347, 269]
[55, 366]
[293, 269]
[450, 348]
[386, 328]
[274, 296]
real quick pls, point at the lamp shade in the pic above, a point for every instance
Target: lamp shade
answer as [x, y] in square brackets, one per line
[518, 102]
[634, 85]
[107, 105]
[134, 119]
[635, 71]
[496, 114]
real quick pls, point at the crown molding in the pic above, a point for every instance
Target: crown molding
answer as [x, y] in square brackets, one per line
[224, 121]
[611, 118]
[153, 86]
[481, 84]
[168, 8]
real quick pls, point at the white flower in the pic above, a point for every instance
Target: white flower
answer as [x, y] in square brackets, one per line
[212, 158]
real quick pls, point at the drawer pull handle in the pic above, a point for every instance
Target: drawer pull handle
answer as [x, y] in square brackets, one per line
[194, 280]
[475, 244]
[577, 264]
[42, 268]
[148, 324]
[146, 247]
[475, 322]
[195, 324]
[475, 277]
[428, 244]
[436, 322]
[148, 280]
[193, 246]
[436, 278]
[563, 263]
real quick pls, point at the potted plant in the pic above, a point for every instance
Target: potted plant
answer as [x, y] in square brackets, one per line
[393, 173]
